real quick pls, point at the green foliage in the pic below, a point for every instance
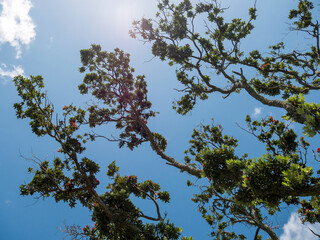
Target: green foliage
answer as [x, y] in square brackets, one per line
[303, 13]
[123, 98]
[73, 180]
[310, 111]
[112, 169]
[282, 74]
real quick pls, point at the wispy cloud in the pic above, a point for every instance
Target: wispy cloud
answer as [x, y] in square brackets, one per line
[8, 202]
[6, 74]
[257, 112]
[50, 42]
[16, 26]
[295, 230]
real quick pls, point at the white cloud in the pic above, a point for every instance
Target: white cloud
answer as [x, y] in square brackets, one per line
[295, 230]
[257, 112]
[9, 74]
[50, 42]
[8, 202]
[16, 26]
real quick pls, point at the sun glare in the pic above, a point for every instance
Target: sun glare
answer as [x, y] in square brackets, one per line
[125, 13]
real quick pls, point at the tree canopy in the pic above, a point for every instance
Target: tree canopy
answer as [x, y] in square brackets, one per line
[209, 60]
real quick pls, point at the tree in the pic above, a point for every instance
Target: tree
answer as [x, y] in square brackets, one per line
[241, 190]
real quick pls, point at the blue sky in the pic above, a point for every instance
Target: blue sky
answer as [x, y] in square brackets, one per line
[42, 37]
